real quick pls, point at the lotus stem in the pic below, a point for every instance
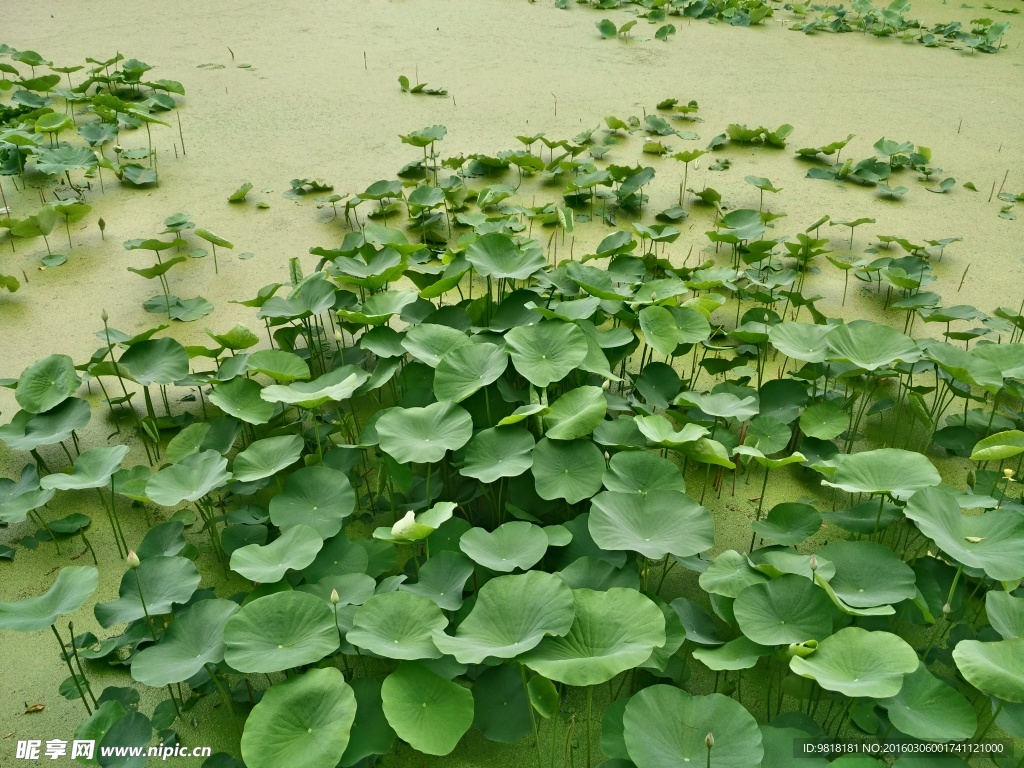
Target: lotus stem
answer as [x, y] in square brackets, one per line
[71, 669]
[991, 720]
[590, 704]
[533, 717]
[78, 661]
[212, 672]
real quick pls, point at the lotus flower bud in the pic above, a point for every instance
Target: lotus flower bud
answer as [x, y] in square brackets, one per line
[709, 740]
[814, 563]
[335, 597]
[947, 609]
[104, 316]
[133, 559]
[337, 335]
[118, 149]
[607, 385]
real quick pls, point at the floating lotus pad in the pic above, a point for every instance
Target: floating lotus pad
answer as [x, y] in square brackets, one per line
[398, 625]
[47, 383]
[189, 480]
[427, 711]
[929, 709]
[303, 721]
[27, 431]
[424, 435]
[517, 544]
[512, 614]
[280, 631]
[92, 469]
[893, 471]
[856, 663]
[575, 414]
[72, 587]
[164, 581]
[242, 398]
[266, 457]
[294, 550]
[569, 470]
[789, 609]
[498, 452]
[316, 496]
[467, 369]
[194, 639]
[546, 352]
[335, 385]
[655, 525]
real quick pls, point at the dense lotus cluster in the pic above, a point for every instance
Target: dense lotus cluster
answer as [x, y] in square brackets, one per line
[465, 477]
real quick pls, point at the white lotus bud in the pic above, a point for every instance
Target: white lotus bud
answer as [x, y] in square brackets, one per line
[335, 597]
[405, 526]
[133, 559]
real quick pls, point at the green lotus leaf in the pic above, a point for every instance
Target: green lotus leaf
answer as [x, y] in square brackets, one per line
[64, 159]
[659, 329]
[741, 653]
[497, 255]
[789, 609]
[467, 369]
[156, 361]
[569, 470]
[442, 579]
[729, 574]
[316, 496]
[280, 631]
[1005, 614]
[575, 414]
[303, 721]
[723, 404]
[665, 727]
[868, 574]
[547, 351]
[427, 711]
[430, 343]
[241, 398]
[659, 430]
[501, 708]
[929, 709]
[164, 581]
[498, 452]
[164, 539]
[189, 480]
[379, 308]
[517, 544]
[856, 663]
[266, 457]
[870, 345]
[335, 385]
[72, 587]
[92, 469]
[371, 734]
[993, 668]
[824, 421]
[27, 431]
[611, 632]
[788, 523]
[893, 471]
[294, 550]
[283, 367]
[800, 341]
[1000, 446]
[641, 473]
[194, 639]
[1007, 358]
[990, 541]
[47, 383]
[655, 525]
[398, 625]
[424, 435]
[415, 527]
[512, 614]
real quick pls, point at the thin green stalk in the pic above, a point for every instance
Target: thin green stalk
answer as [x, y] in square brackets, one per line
[78, 661]
[533, 717]
[71, 669]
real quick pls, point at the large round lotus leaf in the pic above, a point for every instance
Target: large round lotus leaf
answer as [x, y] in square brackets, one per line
[546, 352]
[870, 345]
[929, 709]
[1000, 446]
[189, 480]
[241, 398]
[729, 574]
[800, 341]
[281, 366]
[990, 541]
[67, 594]
[501, 709]
[296, 548]
[164, 581]
[660, 430]
[338, 556]
[92, 469]
[512, 614]
[442, 579]
[316, 496]
[303, 721]
[591, 573]
[741, 653]
[497, 255]
[657, 524]
[723, 404]
[430, 343]
[280, 631]
[575, 414]
[133, 731]
[398, 625]
[569, 470]
[498, 452]
[424, 435]
[885, 470]
[1005, 614]
[267, 457]
[335, 385]
[156, 361]
[380, 307]
[611, 632]
[659, 329]
[194, 639]
[789, 609]
[641, 472]
[855, 663]
[47, 383]
[513, 545]
[824, 421]
[788, 523]
[425, 710]
[467, 369]
[15, 508]
[371, 733]
[28, 431]
[868, 574]
[665, 727]
[993, 668]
